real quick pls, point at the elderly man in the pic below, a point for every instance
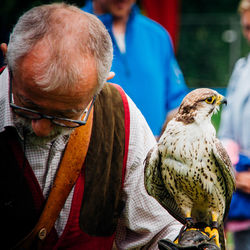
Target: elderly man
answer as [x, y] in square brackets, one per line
[72, 146]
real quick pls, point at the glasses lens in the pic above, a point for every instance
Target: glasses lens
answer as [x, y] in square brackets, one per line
[64, 123]
[27, 114]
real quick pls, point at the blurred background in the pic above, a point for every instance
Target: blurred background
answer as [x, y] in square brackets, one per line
[206, 34]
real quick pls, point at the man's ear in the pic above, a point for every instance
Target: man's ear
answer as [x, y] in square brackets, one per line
[111, 75]
[4, 48]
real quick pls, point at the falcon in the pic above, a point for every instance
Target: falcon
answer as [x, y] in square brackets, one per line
[189, 171]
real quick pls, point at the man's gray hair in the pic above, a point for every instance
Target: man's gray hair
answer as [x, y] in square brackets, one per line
[72, 37]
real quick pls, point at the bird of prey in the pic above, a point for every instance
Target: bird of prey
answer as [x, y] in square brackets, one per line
[189, 171]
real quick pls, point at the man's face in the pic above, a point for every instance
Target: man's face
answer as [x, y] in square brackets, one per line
[118, 8]
[69, 103]
[245, 22]
[31, 137]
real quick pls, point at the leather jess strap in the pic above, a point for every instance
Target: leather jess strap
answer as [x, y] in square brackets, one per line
[69, 170]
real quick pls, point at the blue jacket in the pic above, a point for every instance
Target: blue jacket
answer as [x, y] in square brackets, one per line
[148, 70]
[240, 204]
[235, 116]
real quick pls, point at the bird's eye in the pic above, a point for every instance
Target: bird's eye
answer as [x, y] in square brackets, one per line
[210, 100]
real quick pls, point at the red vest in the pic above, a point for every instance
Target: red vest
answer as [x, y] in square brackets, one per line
[88, 226]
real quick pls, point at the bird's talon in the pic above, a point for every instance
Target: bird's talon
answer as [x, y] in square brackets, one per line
[208, 230]
[215, 224]
[213, 237]
[189, 222]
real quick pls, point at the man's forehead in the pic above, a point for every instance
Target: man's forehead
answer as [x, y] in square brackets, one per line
[32, 68]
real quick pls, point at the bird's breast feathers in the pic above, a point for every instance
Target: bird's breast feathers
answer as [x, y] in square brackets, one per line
[187, 151]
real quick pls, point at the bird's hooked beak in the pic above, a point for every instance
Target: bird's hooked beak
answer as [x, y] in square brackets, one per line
[221, 100]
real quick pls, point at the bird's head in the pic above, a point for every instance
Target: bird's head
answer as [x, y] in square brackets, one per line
[199, 105]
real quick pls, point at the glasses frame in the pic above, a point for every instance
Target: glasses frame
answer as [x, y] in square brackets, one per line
[48, 117]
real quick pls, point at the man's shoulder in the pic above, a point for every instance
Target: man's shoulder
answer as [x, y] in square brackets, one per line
[3, 79]
[112, 93]
[112, 88]
[2, 69]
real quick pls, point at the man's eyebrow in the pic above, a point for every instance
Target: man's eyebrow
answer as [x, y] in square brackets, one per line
[26, 101]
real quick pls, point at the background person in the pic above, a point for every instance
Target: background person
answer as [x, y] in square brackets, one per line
[144, 60]
[235, 132]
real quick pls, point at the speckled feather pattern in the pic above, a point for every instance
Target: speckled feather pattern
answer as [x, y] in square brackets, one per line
[189, 170]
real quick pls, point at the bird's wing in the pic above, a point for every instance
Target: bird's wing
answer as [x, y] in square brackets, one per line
[226, 168]
[155, 186]
[222, 237]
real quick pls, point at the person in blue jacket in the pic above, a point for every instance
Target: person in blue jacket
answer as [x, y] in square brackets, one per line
[144, 61]
[234, 132]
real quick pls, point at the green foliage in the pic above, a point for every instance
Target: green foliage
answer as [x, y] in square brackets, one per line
[211, 6]
[216, 120]
[205, 53]
[202, 54]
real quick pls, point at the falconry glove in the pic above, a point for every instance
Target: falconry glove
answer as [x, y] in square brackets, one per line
[189, 240]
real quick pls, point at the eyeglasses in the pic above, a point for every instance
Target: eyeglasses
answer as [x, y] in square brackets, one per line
[35, 115]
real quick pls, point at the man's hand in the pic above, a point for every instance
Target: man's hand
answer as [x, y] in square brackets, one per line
[3, 47]
[189, 240]
[111, 75]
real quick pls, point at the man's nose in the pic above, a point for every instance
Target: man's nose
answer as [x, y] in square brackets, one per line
[42, 127]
